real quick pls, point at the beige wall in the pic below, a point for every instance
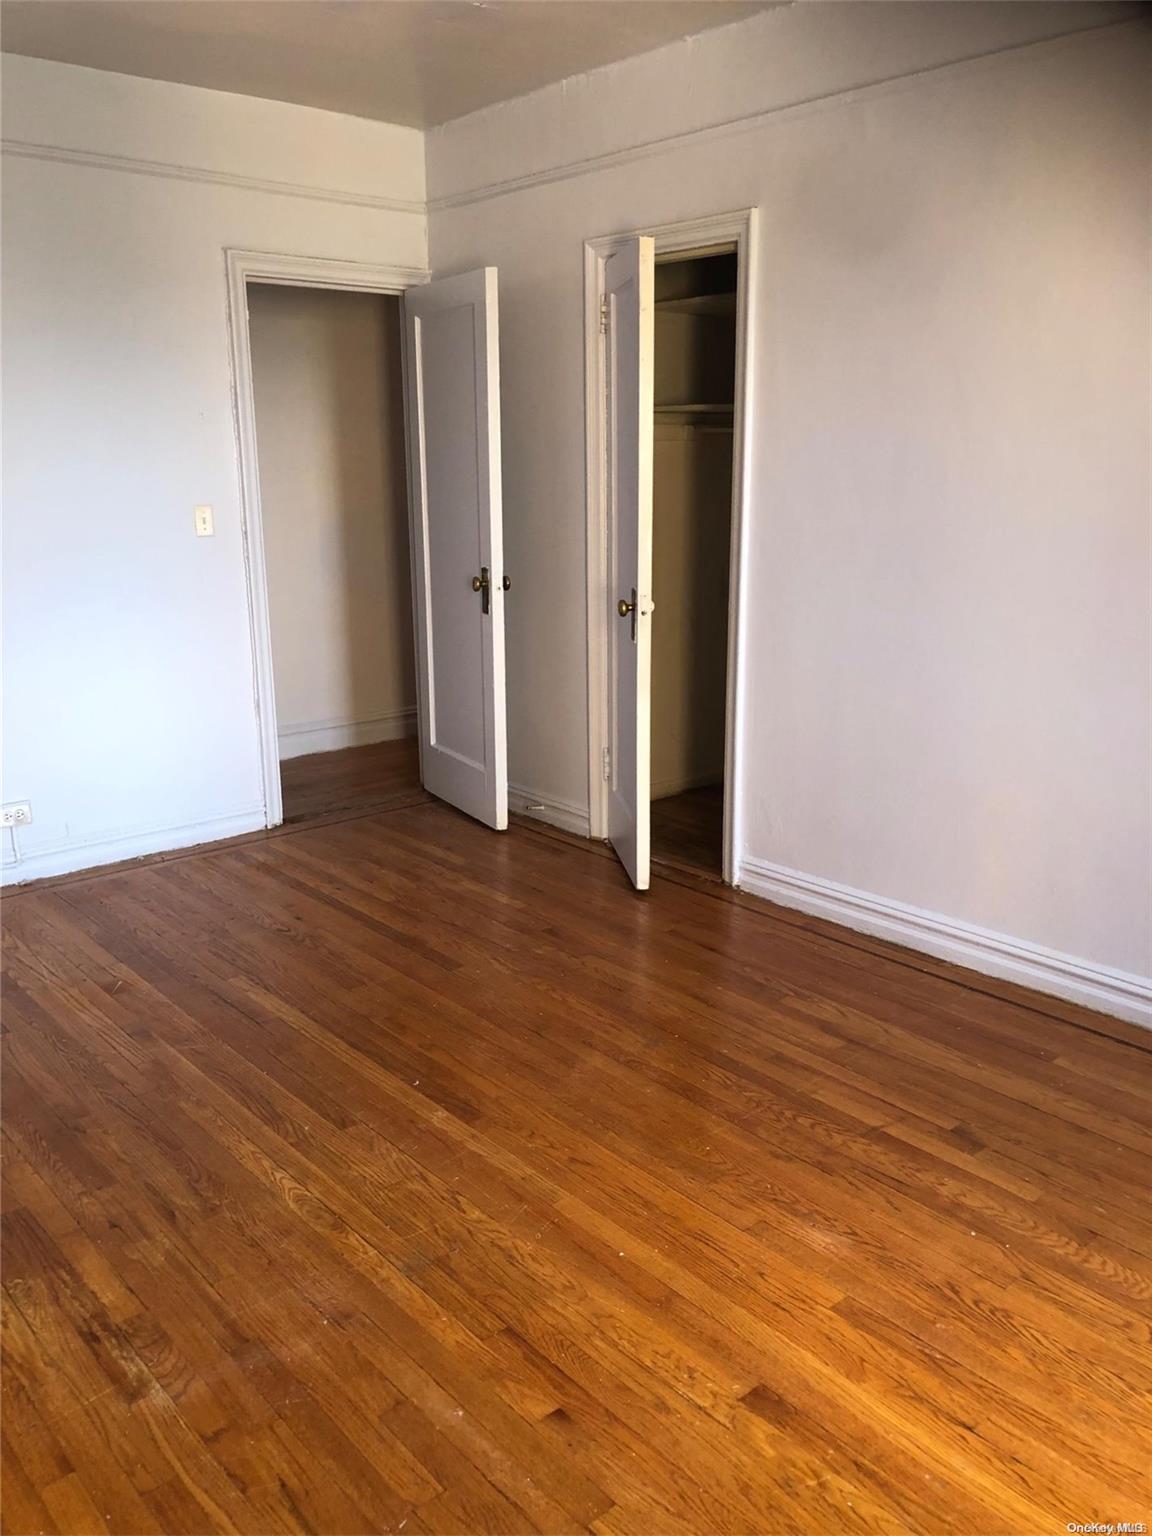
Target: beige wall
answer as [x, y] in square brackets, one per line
[692, 506]
[330, 431]
[695, 358]
[695, 363]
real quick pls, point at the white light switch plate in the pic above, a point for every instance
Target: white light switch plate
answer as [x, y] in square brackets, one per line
[205, 527]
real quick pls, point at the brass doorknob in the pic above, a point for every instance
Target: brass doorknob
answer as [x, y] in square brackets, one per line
[483, 585]
[624, 608]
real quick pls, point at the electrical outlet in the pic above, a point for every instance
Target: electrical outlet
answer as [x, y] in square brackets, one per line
[18, 814]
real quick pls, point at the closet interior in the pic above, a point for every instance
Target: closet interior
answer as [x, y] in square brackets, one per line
[695, 382]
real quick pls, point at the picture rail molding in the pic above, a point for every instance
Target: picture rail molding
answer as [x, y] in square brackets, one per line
[128, 164]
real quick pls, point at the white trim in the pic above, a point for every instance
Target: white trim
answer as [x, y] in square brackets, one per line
[595, 540]
[62, 154]
[115, 847]
[243, 267]
[468, 513]
[738, 228]
[557, 813]
[1119, 993]
[322, 272]
[331, 735]
[672, 143]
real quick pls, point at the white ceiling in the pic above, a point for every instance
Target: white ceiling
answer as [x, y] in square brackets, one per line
[419, 62]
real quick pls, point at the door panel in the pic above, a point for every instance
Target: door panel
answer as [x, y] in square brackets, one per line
[628, 287]
[452, 383]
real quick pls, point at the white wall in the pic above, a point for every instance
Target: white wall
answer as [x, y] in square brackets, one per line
[947, 679]
[129, 691]
[334, 507]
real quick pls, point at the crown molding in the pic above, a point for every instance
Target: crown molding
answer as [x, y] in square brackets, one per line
[609, 160]
[62, 154]
[750, 122]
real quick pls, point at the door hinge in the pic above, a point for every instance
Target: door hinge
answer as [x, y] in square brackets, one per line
[604, 311]
[606, 759]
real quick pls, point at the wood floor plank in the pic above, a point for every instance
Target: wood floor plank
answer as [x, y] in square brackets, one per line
[350, 779]
[386, 1174]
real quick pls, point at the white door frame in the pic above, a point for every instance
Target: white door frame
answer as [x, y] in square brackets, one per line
[723, 229]
[244, 267]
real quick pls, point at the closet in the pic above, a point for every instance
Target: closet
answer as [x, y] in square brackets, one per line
[695, 372]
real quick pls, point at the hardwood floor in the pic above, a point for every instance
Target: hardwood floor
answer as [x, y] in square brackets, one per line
[393, 1175]
[358, 779]
[688, 830]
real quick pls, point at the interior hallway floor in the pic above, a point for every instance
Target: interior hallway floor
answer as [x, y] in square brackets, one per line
[367, 778]
[688, 830]
[389, 1174]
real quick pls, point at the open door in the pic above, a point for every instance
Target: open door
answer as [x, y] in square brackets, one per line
[628, 339]
[452, 382]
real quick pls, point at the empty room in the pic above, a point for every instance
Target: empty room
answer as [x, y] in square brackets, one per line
[577, 767]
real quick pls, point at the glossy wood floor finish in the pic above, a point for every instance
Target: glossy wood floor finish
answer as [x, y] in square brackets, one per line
[394, 1175]
[688, 830]
[368, 778]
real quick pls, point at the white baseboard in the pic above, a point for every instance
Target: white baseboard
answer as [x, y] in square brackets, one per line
[667, 787]
[1120, 993]
[330, 735]
[557, 813]
[66, 859]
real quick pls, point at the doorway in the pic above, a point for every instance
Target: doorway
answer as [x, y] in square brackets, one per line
[448, 339]
[694, 376]
[327, 382]
[668, 328]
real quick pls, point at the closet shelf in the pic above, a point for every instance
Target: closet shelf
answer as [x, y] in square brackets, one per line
[695, 409]
[699, 304]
